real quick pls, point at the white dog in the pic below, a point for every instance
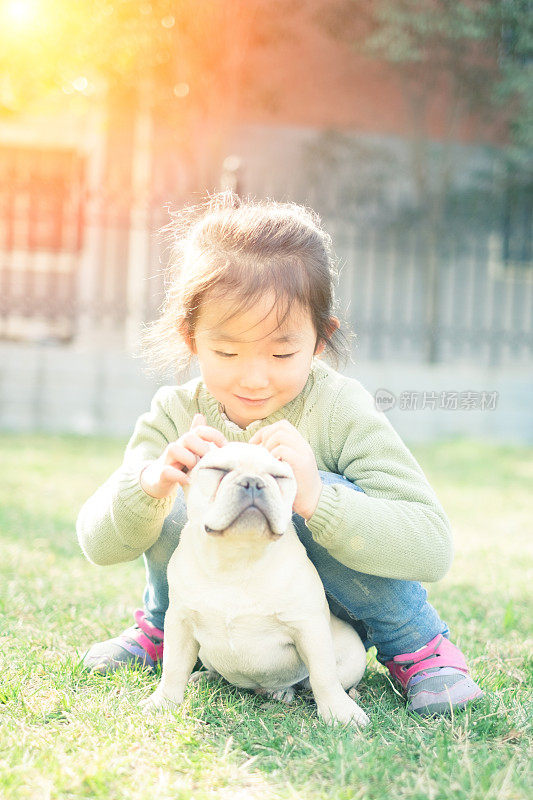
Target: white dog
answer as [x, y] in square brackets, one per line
[244, 596]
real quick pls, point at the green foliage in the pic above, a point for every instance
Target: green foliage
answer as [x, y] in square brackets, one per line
[168, 44]
[57, 41]
[479, 53]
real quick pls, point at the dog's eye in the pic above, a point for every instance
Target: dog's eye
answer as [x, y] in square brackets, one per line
[214, 475]
[211, 478]
[220, 471]
[281, 477]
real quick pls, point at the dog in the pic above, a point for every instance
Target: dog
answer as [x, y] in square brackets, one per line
[246, 599]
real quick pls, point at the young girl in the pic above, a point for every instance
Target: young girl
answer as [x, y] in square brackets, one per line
[251, 297]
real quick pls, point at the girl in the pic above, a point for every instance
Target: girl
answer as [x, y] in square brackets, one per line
[251, 296]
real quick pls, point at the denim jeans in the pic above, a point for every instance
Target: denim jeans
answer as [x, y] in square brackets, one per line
[392, 615]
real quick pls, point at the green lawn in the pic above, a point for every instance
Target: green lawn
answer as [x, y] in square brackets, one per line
[64, 734]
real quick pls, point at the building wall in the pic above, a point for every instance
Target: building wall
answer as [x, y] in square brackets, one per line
[312, 72]
[73, 390]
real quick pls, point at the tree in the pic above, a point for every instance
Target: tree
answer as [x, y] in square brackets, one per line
[467, 64]
[181, 61]
[514, 87]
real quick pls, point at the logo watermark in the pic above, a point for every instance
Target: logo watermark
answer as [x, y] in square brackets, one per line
[467, 400]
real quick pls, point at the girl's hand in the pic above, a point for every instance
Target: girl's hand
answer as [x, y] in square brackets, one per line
[160, 478]
[287, 444]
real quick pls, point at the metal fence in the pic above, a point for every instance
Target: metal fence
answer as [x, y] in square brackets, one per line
[88, 266]
[473, 309]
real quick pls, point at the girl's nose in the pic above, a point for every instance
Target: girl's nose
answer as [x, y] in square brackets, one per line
[253, 377]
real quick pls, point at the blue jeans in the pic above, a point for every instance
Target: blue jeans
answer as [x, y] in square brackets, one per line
[392, 615]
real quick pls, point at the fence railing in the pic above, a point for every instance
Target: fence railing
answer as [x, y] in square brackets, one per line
[482, 310]
[479, 309]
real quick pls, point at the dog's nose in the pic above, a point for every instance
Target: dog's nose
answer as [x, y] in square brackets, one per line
[251, 483]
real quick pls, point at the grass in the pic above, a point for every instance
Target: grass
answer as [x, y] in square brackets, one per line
[65, 734]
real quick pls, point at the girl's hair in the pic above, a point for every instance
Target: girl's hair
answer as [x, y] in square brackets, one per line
[241, 250]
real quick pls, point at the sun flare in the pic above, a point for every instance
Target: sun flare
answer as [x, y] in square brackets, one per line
[19, 12]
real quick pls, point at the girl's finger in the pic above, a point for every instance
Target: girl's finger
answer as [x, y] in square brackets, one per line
[200, 444]
[263, 433]
[270, 443]
[198, 419]
[257, 437]
[181, 455]
[172, 475]
[279, 437]
[283, 453]
[210, 435]
[197, 444]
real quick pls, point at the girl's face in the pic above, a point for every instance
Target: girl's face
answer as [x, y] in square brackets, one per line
[249, 364]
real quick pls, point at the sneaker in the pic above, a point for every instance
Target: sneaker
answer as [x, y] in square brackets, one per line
[140, 646]
[435, 678]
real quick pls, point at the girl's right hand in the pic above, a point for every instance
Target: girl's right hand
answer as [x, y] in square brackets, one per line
[160, 478]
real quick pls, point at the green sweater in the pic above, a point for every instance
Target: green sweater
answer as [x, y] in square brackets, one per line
[396, 529]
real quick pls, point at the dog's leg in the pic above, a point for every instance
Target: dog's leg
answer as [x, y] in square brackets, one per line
[204, 674]
[350, 654]
[314, 643]
[179, 657]
[208, 674]
[281, 695]
[353, 693]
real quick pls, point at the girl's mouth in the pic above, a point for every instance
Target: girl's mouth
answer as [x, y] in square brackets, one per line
[252, 401]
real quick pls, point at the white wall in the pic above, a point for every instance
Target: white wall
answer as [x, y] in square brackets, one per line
[102, 392]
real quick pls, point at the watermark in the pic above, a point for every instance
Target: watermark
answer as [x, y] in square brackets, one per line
[467, 400]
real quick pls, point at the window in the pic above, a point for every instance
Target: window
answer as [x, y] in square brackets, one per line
[41, 201]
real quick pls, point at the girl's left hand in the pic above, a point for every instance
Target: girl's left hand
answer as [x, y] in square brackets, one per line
[287, 444]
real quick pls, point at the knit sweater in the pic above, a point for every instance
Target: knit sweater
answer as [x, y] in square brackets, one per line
[396, 529]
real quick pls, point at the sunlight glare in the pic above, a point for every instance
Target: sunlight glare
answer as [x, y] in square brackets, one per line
[20, 12]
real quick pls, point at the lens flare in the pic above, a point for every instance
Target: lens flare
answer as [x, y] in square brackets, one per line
[20, 12]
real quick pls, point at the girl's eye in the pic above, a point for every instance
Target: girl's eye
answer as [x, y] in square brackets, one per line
[233, 355]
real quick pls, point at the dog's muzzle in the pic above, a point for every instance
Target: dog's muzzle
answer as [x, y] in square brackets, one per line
[251, 494]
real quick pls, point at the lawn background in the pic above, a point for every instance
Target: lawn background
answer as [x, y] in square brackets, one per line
[65, 734]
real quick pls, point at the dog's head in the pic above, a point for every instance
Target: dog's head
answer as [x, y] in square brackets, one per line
[241, 488]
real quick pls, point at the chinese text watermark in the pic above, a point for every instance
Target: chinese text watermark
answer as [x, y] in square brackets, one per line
[467, 400]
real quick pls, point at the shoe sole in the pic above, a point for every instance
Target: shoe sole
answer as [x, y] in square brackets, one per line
[444, 707]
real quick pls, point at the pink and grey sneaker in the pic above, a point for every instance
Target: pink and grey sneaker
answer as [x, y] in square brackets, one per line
[138, 646]
[435, 678]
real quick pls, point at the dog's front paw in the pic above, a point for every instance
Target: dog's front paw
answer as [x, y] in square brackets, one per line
[158, 702]
[343, 711]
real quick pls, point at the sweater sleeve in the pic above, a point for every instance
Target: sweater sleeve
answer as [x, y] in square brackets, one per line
[120, 521]
[397, 528]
